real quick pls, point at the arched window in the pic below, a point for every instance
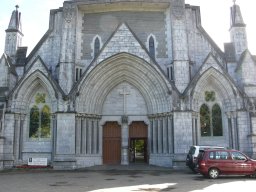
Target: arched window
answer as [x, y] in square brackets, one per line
[96, 47]
[45, 122]
[34, 122]
[216, 120]
[205, 120]
[151, 45]
[40, 118]
[211, 120]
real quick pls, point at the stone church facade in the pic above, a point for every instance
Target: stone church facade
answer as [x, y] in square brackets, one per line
[108, 76]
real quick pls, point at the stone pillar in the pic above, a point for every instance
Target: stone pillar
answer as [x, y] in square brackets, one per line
[83, 136]
[170, 135]
[125, 143]
[180, 44]
[1, 152]
[17, 136]
[154, 136]
[194, 129]
[165, 135]
[244, 131]
[65, 141]
[68, 47]
[182, 132]
[8, 134]
[78, 135]
[95, 136]
[89, 136]
[54, 127]
[160, 136]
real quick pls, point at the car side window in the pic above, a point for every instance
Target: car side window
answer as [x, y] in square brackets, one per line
[238, 156]
[219, 155]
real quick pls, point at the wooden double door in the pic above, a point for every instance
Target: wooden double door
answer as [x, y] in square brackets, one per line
[112, 139]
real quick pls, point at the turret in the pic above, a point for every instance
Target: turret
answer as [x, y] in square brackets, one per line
[14, 35]
[238, 31]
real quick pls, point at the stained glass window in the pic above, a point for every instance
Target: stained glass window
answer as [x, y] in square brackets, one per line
[40, 118]
[205, 120]
[211, 120]
[216, 120]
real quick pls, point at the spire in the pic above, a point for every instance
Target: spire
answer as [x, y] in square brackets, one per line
[236, 16]
[13, 38]
[15, 21]
[237, 30]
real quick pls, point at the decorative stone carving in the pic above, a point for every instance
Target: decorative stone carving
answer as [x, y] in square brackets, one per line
[178, 8]
[68, 12]
[124, 119]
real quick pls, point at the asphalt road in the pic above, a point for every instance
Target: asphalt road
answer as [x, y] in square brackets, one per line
[119, 181]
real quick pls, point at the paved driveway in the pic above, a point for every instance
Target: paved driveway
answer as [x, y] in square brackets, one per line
[118, 181]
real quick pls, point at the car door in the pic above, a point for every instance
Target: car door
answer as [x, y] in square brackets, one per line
[224, 162]
[241, 164]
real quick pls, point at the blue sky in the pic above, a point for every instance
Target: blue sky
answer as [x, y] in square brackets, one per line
[215, 19]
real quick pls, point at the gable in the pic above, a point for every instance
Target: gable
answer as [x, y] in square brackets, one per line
[38, 64]
[210, 62]
[123, 40]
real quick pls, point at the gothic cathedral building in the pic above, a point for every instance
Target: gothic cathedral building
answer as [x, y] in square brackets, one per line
[120, 82]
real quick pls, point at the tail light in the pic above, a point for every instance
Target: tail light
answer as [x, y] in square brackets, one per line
[202, 163]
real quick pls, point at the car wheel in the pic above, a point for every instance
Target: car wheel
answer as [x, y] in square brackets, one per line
[213, 173]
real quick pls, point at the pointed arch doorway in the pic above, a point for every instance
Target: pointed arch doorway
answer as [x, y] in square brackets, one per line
[138, 142]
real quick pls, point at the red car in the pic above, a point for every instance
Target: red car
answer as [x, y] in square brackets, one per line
[214, 162]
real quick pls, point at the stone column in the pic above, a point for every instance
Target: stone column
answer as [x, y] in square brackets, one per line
[165, 135]
[89, 136]
[8, 134]
[22, 119]
[125, 142]
[1, 152]
[95, 136]
[83, 136]
[16, 139]
[160, 136]
[78, 135]
[154, 136]
[54, 127]
[170, 135]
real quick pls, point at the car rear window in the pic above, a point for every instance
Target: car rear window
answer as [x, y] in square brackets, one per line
[192, 150]
[201, 155]
[222, 155]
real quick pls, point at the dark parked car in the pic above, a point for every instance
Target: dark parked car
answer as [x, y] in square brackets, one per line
[215, 162]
